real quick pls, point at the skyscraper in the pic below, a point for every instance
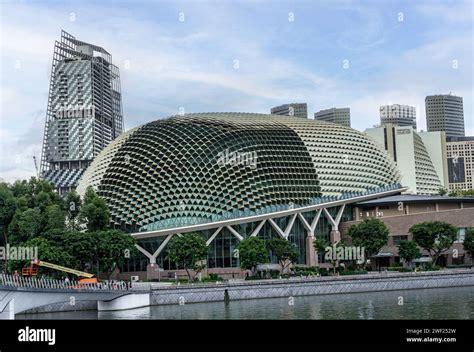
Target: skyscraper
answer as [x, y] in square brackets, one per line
[84, 112]
[341, 116]
[445, 113]
[294, 109]
[460, 154]
[400, 115]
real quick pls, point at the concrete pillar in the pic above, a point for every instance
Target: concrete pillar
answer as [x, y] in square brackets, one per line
[335, 236]
[151, 273]
[357, 213]
[311, 257]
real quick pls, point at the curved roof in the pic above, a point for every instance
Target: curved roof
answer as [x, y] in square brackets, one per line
[186, 169]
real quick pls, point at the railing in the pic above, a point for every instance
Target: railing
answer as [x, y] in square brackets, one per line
[46, 283]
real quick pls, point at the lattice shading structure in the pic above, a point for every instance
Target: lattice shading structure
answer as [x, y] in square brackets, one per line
[204, 167]
[84, 112]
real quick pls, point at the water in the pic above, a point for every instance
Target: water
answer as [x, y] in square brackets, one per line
[441, 303]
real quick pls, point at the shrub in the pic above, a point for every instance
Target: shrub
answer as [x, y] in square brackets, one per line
[323, 272]
[215, 277]
[353, 272]
[405, 270]
[394, 268]
[459, 266]
[306, 271]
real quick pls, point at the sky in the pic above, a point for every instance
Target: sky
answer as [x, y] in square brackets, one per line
[245, 56]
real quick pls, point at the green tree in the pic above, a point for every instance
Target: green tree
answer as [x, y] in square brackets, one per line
[188, 252]
[55, 218]
[434, 236]
[7, 211]
[326, 249]
[47, 251]
[462, 193]
[94, 213]
[39, 193]
[468, 243]
[25, 225]
[442, 191]
[252, 251]
[285, 251]
[111, 248]
[72, 206]
[81, 245]
[371, 234]
[408, 250]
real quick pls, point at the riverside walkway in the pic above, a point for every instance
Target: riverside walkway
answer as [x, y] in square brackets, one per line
[19, 294]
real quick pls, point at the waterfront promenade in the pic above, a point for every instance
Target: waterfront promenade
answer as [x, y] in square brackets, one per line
[156, 294]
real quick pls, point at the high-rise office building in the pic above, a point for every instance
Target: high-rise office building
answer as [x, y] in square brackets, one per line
[84, 112]
[400, 115]
[445, 113]
[294, 109]
[341, 116]
[420, 156]
[460, 153]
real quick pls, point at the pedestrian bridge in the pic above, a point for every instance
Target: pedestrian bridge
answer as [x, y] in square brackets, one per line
[19, 294]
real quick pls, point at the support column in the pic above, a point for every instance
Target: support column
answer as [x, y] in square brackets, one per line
[150, 271]
[335, 236]
[311, 257]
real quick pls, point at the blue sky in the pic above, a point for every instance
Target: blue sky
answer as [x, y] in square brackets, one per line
[237, 56]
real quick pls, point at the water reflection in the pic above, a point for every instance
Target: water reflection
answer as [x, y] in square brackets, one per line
[446, 303]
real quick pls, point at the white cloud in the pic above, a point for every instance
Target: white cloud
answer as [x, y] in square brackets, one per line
[191, 65]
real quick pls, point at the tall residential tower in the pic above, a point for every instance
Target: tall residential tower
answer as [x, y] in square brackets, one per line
[84, 112]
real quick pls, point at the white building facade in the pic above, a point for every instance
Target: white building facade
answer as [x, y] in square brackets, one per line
[420, 156]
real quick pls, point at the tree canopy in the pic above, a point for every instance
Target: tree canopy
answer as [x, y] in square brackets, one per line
[434, 236]
[188, 251]
[285, 251]
[94, 212]
[468, 243]
[408, 250]
[252, 251]
[372, 234]
[65, 230]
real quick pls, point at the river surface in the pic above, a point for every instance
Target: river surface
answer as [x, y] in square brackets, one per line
[439, 303]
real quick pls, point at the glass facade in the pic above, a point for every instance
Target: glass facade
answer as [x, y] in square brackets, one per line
[221, 253]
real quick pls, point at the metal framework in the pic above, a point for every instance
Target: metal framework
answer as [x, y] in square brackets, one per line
[310, 226]
[83, 79]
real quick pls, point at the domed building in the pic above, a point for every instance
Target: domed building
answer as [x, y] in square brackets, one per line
[197, 169]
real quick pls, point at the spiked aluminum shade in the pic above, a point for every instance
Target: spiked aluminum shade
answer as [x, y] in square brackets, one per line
[203, 167]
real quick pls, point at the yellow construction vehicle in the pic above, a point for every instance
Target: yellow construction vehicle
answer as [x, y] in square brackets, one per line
[32, 270]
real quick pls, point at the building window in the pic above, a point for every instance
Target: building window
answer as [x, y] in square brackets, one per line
[461, 235]
[397, 239]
